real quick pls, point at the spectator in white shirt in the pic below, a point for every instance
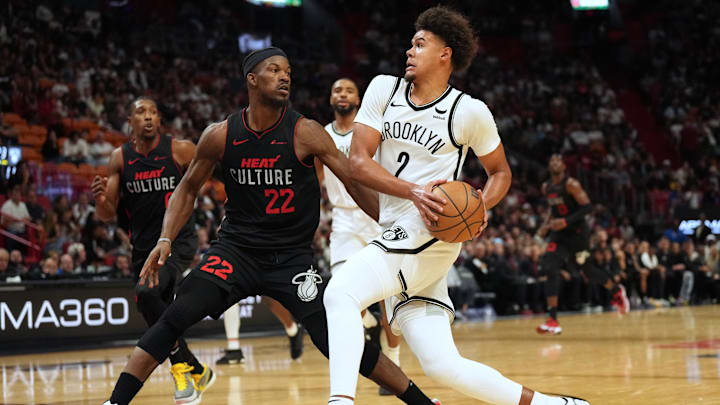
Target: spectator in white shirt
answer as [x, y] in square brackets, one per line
[75, 149]
[14, 215]
[101, 150]
[82, 210]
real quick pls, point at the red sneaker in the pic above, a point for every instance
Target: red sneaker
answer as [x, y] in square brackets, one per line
[621, 301]
[550, 327]
[436, 401]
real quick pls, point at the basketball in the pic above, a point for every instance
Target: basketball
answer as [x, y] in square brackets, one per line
[462, 215]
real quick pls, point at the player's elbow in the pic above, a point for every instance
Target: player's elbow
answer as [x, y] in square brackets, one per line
[357, 166]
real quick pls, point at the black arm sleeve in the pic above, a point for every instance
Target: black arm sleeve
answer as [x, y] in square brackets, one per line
[578, 215]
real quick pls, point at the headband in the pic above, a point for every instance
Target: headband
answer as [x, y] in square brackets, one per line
[255, 57]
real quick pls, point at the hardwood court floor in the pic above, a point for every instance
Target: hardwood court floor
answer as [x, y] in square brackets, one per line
[645, 358]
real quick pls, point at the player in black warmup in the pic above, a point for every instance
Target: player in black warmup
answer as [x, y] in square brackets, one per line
[568, 243]
[142, 175]
[266, 152]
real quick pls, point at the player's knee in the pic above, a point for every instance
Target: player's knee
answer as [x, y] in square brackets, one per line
[159, 340]
[442, 369]
[336, 297]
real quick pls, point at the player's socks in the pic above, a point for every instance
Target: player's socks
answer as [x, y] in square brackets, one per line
[553, 312]
[190, 357]
[176, 355]
[126, 388]
[233, 344]
[413, 396]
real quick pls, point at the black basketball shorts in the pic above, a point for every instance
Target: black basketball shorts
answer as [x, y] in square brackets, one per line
[567, 245]
[287, 276]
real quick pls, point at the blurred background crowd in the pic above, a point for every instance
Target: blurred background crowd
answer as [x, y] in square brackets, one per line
[628, 97]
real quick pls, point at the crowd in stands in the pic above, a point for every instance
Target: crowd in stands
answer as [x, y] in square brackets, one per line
[60, 62]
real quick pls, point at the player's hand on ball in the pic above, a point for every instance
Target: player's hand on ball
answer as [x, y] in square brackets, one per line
[428, 203]
[99, 187]
[485, 216]
[157, 258]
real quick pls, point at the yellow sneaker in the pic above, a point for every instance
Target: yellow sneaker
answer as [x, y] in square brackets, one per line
[185, 392]
[204, 380]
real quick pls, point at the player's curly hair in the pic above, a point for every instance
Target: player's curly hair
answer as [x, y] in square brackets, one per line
[454, 29]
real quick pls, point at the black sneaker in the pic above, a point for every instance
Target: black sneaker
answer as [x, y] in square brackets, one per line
[232, 357]
[296, 343]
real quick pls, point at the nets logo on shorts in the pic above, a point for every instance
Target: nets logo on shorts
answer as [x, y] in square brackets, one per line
[307, 284]
[395, 233]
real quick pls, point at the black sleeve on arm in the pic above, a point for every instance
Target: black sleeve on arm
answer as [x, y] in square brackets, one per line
[578, 215]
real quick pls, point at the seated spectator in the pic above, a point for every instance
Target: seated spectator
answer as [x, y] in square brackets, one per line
[50, 148]
[50, 270]
[101, 150]
[17, 262]
[79, 257]
[82, 209]
[22, 178]
[75, 149]
[14, 214]
[649, 260]
[7, 273]
[37, 212]
[122, 267]
[67, 266]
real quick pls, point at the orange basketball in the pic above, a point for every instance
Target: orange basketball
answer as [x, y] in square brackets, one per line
[462, 215]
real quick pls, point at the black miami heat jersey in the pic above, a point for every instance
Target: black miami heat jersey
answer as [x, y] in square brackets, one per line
[563, 204]
[273, 199]
[146, 184]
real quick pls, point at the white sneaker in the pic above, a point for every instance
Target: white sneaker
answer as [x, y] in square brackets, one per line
[108, 403]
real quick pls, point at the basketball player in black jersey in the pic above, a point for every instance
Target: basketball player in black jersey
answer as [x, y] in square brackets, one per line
[568, 242]
[142, 175]
[266, 153]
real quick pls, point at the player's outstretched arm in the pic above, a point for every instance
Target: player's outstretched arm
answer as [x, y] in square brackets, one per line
[106, 189]
[312, 139]
[365, 170]
[208, 152]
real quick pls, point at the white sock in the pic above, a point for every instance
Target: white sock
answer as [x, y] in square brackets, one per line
[292, 330]
[369, 320]
[430, 338]
[349, 291]
[231, 319]
[392, 353]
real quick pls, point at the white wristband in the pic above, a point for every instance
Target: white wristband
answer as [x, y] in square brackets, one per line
[165, 240]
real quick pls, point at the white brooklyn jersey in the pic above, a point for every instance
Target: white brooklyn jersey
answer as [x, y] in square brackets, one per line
[420, 144]
[337, 193]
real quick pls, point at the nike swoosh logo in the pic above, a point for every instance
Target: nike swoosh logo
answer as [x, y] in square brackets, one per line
[160, 157]
[392, 104]
[439, 111]
[236, 142]
[130, 162]
[274, 142]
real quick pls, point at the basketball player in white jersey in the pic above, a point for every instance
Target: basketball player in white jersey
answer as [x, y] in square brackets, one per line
[421, 129]
[352, 229]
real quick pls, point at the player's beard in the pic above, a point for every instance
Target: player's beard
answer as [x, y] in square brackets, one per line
[345, 111]
[556, 172]
[274, 102]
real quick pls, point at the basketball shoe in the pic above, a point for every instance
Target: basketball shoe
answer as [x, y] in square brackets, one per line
[550, 327]
[231, 357]
[185, 392]
[620, 300]
[296, 343]
[436, 401]
[204, 380]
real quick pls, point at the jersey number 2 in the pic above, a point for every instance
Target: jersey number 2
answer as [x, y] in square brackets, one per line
[212, 267]
[274, 195]
[403, 159]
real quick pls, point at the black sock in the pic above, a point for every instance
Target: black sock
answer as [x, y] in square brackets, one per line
[553, 313]
[190, 357]
[176, 355]
[413, 396]
[126, 388]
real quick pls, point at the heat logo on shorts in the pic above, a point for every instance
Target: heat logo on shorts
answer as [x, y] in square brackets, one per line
[395, 233]
[307, 284]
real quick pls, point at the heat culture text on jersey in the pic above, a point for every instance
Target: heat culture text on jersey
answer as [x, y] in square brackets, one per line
[150, 181]
[414, 132]
[261, 172]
